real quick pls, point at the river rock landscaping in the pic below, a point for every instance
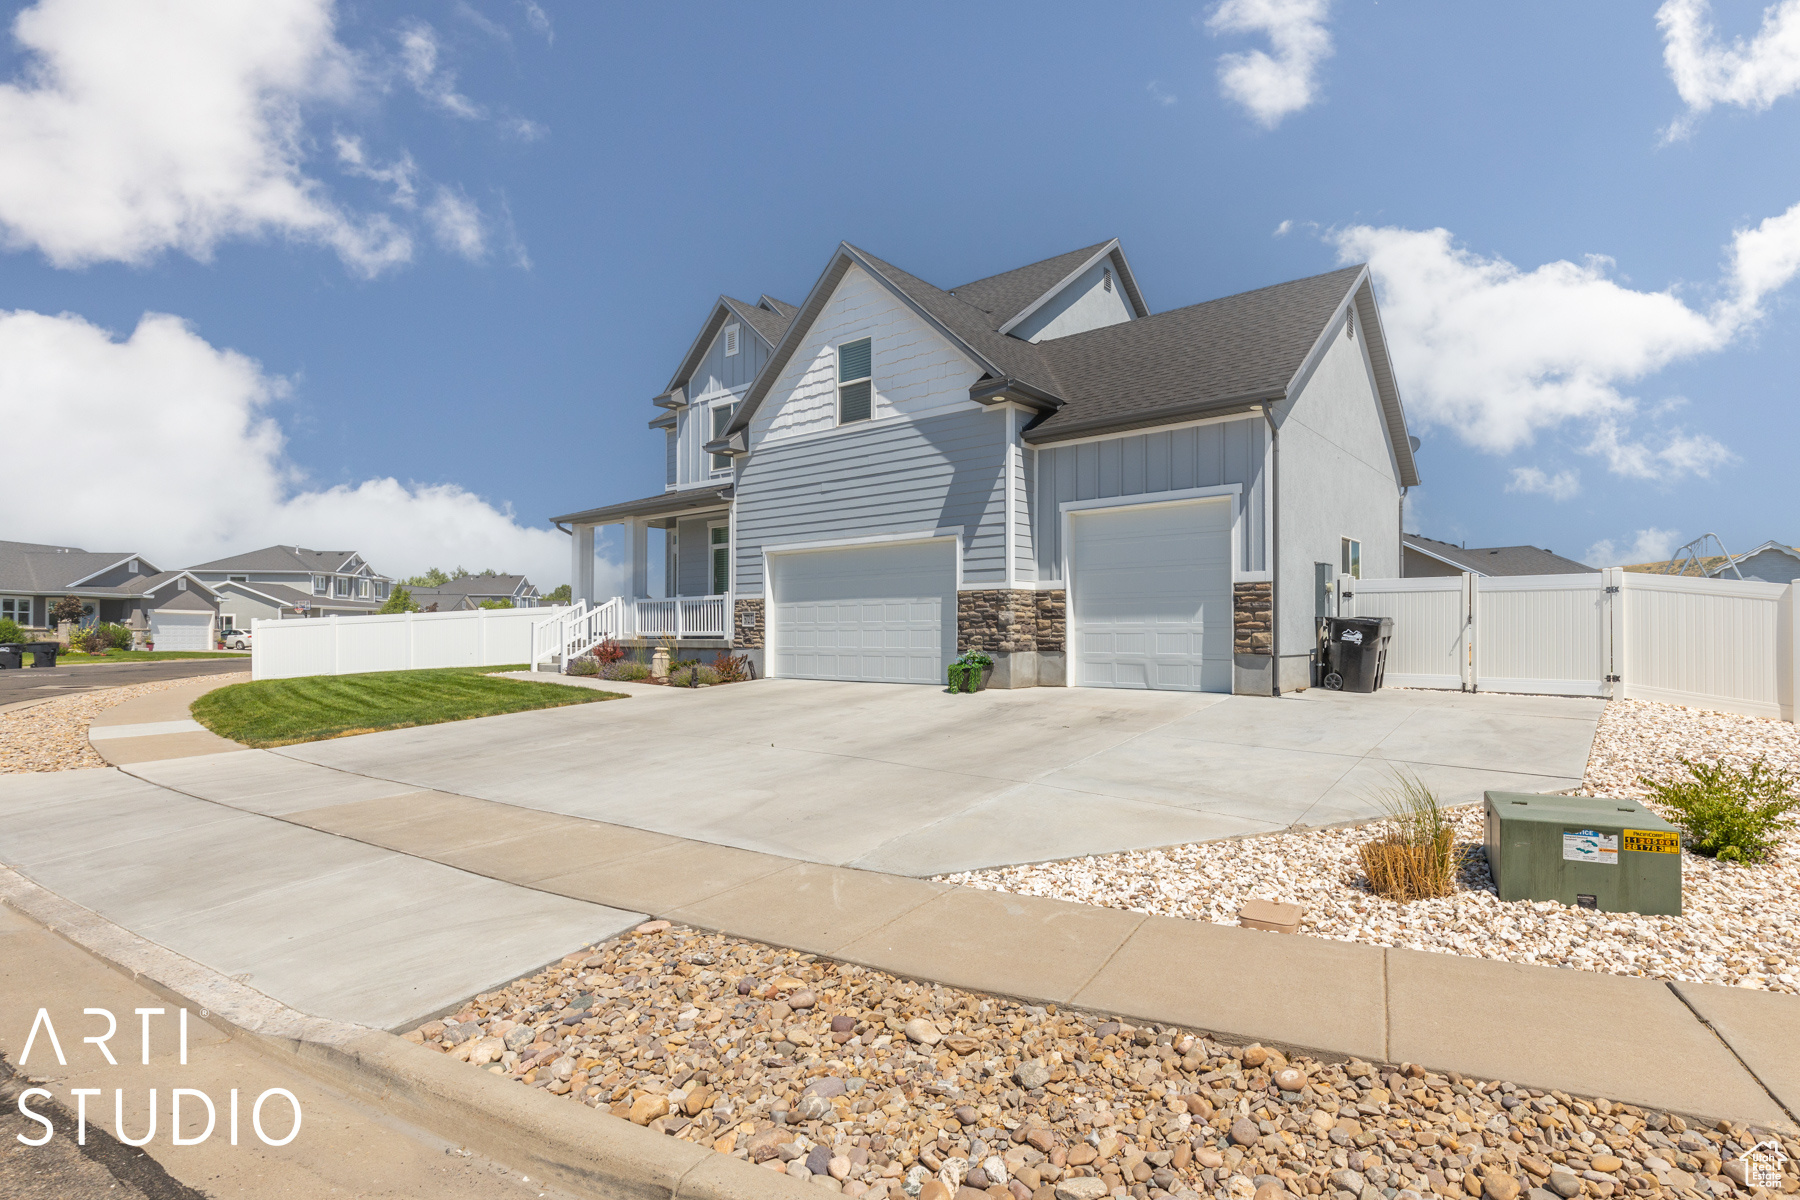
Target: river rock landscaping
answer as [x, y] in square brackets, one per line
[52, 736]
[875, 1086]
[1739, 925]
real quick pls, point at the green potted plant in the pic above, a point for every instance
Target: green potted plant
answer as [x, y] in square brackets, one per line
[970, 673]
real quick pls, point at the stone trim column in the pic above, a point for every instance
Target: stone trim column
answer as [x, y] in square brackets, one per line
[996, 621]
[747, 623]
[1253, 618]
[1051, 612]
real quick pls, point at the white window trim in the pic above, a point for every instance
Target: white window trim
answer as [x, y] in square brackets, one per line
[1069, 509]
[1357, 542]
[839, 382]
[713, 470]
[30, 607]
[733, 339]
[228, 621]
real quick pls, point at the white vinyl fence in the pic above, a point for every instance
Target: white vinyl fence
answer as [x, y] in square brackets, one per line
[1712, 643]
[484, 637]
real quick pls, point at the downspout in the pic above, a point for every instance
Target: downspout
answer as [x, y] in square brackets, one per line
[1274, 551]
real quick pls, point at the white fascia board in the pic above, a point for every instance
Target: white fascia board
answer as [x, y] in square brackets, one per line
[1105, 251]
[204, 586]
[1449, 562]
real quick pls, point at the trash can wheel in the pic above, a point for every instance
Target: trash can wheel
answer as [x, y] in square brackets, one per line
[1334, 682]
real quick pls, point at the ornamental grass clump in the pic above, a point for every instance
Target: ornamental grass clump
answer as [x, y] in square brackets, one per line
[1414, 856]
[1729, 814]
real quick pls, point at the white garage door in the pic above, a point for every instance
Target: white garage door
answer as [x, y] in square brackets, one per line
[883, 614]
[181, 631]
[1151, 591]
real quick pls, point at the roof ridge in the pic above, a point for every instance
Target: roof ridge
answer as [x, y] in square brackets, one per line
[1084, 250]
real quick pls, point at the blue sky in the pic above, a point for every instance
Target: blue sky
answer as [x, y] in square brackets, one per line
[430, 262]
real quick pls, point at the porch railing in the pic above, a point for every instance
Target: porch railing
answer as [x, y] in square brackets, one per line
[575, 631]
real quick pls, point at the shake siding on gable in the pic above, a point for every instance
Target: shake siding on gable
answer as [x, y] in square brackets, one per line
[1197, 456]
[879, 477]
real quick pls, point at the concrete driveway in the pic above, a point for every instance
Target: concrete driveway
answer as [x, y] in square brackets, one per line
[908, 780]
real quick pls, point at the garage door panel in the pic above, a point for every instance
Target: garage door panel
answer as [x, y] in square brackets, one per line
[181, 631]
[877, 613]
[1151, 596]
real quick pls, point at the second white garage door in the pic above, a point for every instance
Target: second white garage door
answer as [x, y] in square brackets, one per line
[181, 631]
[882, 614]
[1151, 595]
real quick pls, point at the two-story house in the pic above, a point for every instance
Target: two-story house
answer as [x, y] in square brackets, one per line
[172, 609]
[472, 591]
[292, 582]
[1033, 465]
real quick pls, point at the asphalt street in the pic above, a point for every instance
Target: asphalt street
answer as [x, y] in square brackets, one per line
[32, 683]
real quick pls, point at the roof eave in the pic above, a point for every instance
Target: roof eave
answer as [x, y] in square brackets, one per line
[1174, 414]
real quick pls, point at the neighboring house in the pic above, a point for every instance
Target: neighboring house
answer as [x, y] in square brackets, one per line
[472, 591]
[1423, 556]
[1033, 465]
[175, 609]
[292, 582]
[1771, 562]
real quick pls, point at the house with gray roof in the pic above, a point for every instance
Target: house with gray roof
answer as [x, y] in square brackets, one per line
[472, 591]
[284, 583]
[1771, 562]
[1423, 556]
[175, 610]
[1034, 465]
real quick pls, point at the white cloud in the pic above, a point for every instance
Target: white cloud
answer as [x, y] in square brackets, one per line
[1160, 94]
[1499, 354]
[191, 464]
[1752, 74]
[401, 176]
[419, 63]
[1273, 86]
[1283, 229]
[1564, 485]
[1649, 545]
[139, 127]
[456, 221]
[538, 19]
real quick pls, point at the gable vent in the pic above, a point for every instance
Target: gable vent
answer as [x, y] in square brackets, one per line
[1106, 280]
[731, 340]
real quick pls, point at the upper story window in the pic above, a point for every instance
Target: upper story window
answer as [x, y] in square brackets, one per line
[362, 588]
[1351, 554]
[856, 387]
[731, 340]
[343, 586]
[321, 585]
[721, 421]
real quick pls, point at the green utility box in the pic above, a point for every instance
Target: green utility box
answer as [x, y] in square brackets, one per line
[1585, 851]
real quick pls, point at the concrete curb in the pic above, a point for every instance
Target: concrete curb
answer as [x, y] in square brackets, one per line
[583, 1150]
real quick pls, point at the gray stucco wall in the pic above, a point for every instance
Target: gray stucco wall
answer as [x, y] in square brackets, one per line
[1337, 479]
[1084, 304]
[885, 476]
[1224, 452]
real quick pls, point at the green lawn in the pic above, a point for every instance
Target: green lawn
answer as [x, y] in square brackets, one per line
[280, 712]
[77, 657]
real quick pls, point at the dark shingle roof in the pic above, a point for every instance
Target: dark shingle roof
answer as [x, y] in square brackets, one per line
[280, 558]
[1211, 355]
[768, 325]
[1005, 295]
[481, 585]
[663, 504]
[39, 568]
[1500, 560]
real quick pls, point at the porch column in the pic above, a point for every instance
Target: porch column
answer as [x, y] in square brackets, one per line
[637, 535]
[581, 564]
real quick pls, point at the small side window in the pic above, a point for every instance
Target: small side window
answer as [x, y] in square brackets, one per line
[731, 340]
[1352, 558]
[856, 387]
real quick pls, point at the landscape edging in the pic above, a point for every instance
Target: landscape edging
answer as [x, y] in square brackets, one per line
[572, 1146]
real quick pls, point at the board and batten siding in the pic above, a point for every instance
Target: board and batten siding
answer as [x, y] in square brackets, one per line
[1165, 460]
[879, 477]
[719, 377]
[669, 454]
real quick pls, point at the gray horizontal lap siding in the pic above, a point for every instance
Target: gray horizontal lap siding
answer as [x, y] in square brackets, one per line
[1161, 461]
[889, 476]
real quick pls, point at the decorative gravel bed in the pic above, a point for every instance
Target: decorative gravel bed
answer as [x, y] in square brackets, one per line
[52, 736]
[878, 1087]
[1740, 925]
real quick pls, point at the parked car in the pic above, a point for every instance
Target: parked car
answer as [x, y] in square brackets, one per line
[237, 639]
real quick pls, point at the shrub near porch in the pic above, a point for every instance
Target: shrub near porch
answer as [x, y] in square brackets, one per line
[282, 712]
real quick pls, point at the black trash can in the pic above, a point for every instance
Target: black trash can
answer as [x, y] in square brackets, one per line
[43, 654]
[1356, 652]
[10, 656]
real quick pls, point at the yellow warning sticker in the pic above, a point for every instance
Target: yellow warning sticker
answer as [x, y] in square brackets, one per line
[1653, 841]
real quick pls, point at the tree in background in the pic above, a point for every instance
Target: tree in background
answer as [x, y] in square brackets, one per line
[431, 578]
[562, 595]
[496, 604]
[400, 601]
[66, 609]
